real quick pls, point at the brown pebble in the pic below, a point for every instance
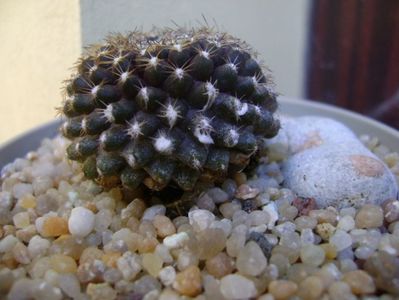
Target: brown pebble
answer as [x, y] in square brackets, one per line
[54, 226]
[282, 289]
[9, 260]
[220, 265]
[244, 192]
[360, 282]
[304, 205]
[240, 178]
[91, 206]
[188, 282]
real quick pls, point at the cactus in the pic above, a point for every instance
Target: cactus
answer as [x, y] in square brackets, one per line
[168, 107]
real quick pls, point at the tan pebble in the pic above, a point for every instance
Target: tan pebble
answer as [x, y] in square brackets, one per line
[133, 224]
[148, 244]
[152, 263]
[188, 282]
[369, 216]
[367, 166]
[220, 265]
[311, 288]
[26, 234]
[110, 259]
[91, 206]
[324, 216]
[90, 254]
[21, 254]
[135, 209]
[63, 264]
[101, 291]
[360, 282]
[70, 246]
[8, 230]
[116, 193]
[163, 226]
[27, 201]
[329, 250]
[240, 178]
[282, 289]
[325, 230]
[9, 260]
[54, 226]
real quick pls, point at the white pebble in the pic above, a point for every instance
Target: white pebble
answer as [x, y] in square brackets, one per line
[38, 246]
[151, 212]
[167, 275]
[307, 236]
[176, 240]
[235, 286]
[7, 243]
[81, 221]
[271, 209]
[364, 252]
[346, 223]
[341, 240]
[200, 219]
[21, 189]
[224, 224]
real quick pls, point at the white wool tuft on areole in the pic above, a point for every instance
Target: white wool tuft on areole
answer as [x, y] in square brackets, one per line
[163, 144]
[134, 129]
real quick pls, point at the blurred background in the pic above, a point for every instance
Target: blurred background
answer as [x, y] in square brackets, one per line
[342, 52]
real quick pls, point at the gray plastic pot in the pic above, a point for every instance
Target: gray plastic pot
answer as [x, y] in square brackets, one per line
[388, 136]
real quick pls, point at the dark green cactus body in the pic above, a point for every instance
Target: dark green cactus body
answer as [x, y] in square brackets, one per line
[171, 110]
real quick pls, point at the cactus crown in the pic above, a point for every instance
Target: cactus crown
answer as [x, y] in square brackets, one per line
[167, 106]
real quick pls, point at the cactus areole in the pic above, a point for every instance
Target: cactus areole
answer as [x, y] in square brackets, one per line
[167, 108]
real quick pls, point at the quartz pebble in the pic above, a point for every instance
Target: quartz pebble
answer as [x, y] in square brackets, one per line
[236, 286]
[282, 289]
[273, 246]
[81, 221]
[369, 216]
[250, 260]
[167, 275]
[360, 282]
[312, 255]
[188, 282]
[341, 240]
[54, 226]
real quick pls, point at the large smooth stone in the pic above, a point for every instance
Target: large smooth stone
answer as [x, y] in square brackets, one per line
[327, 162]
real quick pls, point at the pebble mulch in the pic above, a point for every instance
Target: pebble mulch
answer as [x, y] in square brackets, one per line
[62, 237]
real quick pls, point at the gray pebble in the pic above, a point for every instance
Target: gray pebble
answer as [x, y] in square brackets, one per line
[328, 163]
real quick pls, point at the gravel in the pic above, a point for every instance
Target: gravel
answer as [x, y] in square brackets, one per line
[65, 237]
